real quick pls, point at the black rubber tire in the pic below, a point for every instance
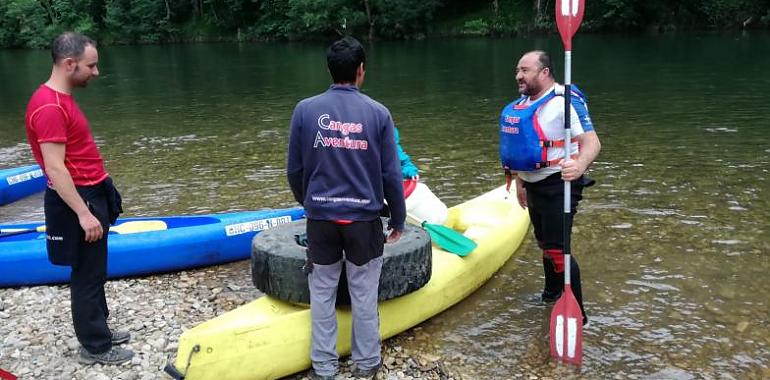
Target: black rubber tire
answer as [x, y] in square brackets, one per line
[277, 262]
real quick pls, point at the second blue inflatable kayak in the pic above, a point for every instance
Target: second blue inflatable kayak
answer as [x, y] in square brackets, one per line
[17, 183]
[139, 246]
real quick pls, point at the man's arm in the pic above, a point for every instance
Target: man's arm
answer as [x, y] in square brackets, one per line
[53, 157]
[589, 150]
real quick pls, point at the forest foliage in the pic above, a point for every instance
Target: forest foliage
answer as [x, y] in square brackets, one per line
[33, 23]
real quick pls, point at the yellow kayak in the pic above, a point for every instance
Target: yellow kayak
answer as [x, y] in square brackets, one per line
[269, 338]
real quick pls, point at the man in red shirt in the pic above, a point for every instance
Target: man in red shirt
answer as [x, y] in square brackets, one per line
[81, 201]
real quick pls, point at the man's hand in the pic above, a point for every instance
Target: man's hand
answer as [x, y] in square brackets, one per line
[91, 226]
[393, 236]
[571, 169]
[590, 146]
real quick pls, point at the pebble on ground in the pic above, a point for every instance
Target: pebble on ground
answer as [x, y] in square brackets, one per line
[37, 340]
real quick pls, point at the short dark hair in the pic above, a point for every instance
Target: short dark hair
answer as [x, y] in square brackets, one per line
[343, 58]
[70, 45]
[545, 61]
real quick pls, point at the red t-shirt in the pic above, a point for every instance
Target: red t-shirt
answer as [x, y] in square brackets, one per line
[54, 117]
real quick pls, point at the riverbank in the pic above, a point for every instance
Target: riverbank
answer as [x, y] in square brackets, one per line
[38, 341]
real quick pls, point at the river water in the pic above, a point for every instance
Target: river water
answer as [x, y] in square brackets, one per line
[673, 241]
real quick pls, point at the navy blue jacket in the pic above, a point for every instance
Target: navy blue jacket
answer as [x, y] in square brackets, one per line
[342, 159]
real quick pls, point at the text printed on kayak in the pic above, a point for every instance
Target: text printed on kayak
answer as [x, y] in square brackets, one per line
[23, 177]
[256, 225]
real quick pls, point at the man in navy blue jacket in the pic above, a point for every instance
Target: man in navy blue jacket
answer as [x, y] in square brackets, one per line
[342, 165]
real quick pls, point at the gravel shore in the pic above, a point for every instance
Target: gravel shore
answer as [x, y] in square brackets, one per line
[37, 340]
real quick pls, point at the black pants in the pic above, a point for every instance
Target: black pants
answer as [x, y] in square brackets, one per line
[67, 246]
[357, 242]
[360, 241]
[545, 201]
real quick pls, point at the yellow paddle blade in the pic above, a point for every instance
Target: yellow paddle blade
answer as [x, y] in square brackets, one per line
[137, 226]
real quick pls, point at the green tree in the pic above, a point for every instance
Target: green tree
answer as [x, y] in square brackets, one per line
[32, 23]
[403, 18]
[25, 23]
[137, 21]
[325, 17]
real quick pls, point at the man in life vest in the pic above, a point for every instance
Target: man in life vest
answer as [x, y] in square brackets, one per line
[532, 151]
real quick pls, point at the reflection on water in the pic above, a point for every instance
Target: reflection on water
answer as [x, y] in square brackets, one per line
[673, 241]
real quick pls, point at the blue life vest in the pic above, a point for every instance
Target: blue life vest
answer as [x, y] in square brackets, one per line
[523, 145]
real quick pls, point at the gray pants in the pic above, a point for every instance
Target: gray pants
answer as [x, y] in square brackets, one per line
[363, 282]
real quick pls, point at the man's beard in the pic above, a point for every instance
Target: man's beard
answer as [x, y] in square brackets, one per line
[78, 82]
[529, 89]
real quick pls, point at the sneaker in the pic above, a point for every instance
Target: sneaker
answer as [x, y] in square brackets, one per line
[366, 373]
[120, 337]
[115, 355]
[315, 376]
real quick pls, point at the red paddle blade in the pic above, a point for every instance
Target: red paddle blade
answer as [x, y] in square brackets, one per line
[6, 375]
[569, 15]
[567, 329]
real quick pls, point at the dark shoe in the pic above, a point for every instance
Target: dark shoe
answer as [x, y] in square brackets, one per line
[543, 299]
[549, 298]
[116, 355]
[120, 337]
[315, 376]
[366, 373]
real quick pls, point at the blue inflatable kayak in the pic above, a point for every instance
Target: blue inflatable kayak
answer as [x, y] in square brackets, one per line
[17, 183]
[139, 246]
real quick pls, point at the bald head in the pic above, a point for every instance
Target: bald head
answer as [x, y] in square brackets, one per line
[534, 73]
[543, 60]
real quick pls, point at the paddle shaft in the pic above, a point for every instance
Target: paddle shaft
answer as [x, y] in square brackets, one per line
[20, 232]
[133, 226]
[567, 150]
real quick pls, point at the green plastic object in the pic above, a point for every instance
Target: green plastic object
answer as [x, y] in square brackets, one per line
[449, 239]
